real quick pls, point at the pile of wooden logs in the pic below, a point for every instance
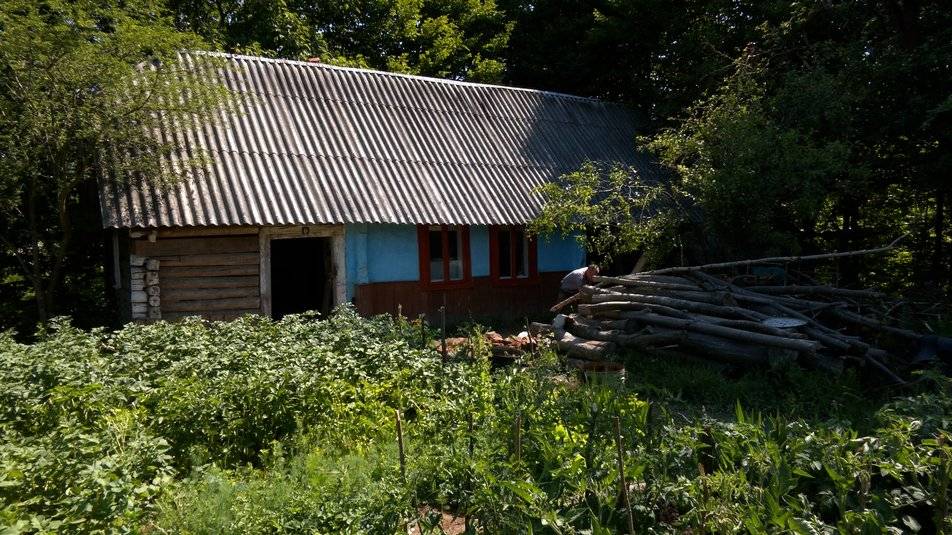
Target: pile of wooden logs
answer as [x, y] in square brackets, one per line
[738, 320]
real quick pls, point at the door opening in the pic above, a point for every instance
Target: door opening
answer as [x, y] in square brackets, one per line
[301, 276]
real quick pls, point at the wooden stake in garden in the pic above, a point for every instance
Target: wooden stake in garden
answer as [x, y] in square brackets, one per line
[532, 341]
[622, 482]
[403, 458]
[443, 327]
[423, 330]
[469, 432]
[517, 436]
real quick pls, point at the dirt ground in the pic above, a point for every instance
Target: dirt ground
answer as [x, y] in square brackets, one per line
[450, 524]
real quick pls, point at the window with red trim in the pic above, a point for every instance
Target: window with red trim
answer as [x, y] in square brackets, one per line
[444, 255]
[513, 255]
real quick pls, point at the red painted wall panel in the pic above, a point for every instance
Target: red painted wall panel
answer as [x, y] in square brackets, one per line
[481, 301]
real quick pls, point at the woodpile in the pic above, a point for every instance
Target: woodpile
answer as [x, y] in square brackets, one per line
[743, 320]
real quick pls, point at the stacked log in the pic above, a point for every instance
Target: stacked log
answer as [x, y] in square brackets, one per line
[748, 322]
[144, 291]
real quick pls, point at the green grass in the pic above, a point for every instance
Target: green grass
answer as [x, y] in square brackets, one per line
[695, 387]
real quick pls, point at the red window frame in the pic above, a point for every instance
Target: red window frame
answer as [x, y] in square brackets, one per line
[532, 273]
[423, 240]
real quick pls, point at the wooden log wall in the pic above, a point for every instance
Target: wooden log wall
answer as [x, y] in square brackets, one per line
[216, 277]
[144, 288]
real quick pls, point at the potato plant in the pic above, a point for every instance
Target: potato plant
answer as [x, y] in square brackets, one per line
[255, 426]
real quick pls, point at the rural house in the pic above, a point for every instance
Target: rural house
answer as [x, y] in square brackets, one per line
[335, 185]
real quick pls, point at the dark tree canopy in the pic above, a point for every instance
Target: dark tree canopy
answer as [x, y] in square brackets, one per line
[794, 126]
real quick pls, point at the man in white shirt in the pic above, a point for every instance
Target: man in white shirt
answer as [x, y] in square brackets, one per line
[572, 282]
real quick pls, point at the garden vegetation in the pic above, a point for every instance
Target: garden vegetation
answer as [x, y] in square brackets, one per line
[256, 426]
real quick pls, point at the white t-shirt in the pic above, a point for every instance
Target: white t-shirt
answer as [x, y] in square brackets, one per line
[573, 281]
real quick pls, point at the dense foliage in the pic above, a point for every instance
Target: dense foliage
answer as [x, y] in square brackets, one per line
[82, 87]
[449, 39]
[262, 427]
[794, 127]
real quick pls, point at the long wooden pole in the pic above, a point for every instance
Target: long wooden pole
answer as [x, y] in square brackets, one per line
[622, 482]
[471, 447]
[815, 290]
[423, 330]
[772, 260]
[403, 458]
[469, 434]
[562, 304]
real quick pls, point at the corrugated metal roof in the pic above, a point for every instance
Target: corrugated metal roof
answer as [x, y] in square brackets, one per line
[314, 143]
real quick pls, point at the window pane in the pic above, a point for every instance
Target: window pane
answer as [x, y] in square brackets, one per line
[456, 270]
[505, 254]
[456, 262]
[436, 254]
[522, 253]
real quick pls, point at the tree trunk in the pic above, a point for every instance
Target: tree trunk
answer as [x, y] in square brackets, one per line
[739, 335]
[905, 16]
[35, 271]
[585, 349]
[848, 272]
[39, 297]
[938, 255]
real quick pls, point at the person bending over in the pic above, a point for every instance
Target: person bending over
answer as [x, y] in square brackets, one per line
[574, 281]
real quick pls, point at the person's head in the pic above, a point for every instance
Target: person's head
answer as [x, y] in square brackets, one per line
[591, 272]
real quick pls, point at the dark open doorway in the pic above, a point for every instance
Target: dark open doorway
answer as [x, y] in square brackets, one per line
[301, 274]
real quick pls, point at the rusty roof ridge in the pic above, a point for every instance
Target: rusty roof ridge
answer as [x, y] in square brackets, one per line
[394, 74]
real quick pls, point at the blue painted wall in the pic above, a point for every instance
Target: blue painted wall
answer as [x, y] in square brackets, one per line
[560, 253]
[389, 253]
[380, 253]
[479, 250]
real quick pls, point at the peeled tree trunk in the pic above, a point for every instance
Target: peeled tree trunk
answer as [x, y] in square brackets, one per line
[795, 344]
[585, 349]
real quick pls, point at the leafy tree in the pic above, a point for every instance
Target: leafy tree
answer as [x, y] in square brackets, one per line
[614, 212]
[793, 126]
[756, 178]
[463, 39]
[657, 56]
[83, 86]
[262, 27]
[830, 133]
